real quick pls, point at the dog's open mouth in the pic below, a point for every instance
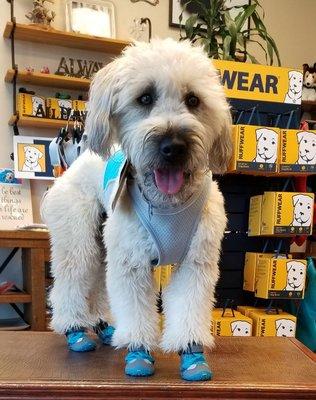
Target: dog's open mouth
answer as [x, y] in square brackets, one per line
[169, 181]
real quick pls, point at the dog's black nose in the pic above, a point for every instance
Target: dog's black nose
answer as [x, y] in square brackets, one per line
[301, 213]
[173, 148]
[306, 151]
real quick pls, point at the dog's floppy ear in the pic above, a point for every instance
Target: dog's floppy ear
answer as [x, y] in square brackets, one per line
[26, 148]
[222, 148]
[234, 326]
[300, 136]
[39, 153]
[102, 90]
[296, 199]
[259, 133]
[278, 324]
[288, 267]
[291, 74]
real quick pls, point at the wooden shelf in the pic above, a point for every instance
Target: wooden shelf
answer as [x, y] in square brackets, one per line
[15, 297]
[49, 80]
[271, 174]
[308, 105]
[33, 122]
[31, 33]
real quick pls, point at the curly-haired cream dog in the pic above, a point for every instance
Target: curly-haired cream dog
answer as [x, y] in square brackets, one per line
[163, 104]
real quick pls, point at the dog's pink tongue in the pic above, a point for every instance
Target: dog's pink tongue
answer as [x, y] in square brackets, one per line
[169, 181]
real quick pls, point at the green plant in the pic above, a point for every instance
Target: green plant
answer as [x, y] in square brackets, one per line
[226, 37]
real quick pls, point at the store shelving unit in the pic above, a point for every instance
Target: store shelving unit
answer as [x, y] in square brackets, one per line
[34, 122]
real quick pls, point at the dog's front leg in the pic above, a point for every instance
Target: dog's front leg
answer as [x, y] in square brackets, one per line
[188, 300]
[131, 291]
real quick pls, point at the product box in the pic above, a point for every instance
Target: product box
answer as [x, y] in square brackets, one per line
[297, 151]
[250, 268]
[29, 105]
[58, 108]
[81, 106]
[229, 324]
[254, 220]
[279, 324]
[285, 213]
[255, 148]
[280, 278]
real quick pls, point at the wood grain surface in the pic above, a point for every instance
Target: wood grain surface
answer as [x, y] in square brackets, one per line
[36, 365]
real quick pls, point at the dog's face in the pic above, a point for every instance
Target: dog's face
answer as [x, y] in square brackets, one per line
[240, 328]
[36, 101]
[295, 81]
[163, 102]
[32, 154]
[267, 143]
[64, 103]
[296, 271]
[302, 208]
[285, 327]
[307, 145]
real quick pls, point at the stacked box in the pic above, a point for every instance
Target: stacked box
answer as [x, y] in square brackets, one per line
[298, 151]
[229, 324]
[29, 105]
[280, 278]
[255, 148]
[58, 108]
[279, 324]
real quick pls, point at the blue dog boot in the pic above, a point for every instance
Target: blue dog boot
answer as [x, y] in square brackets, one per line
[139, 363]
[79, 341]
[193, 365]
[105, 332]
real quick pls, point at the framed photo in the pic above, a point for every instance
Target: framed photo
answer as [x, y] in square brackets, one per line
[176, 8]
[31, 157]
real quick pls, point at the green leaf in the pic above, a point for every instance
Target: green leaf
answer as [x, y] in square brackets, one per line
[248, 11]
[252, 59]
[189, 24]
[226, 47]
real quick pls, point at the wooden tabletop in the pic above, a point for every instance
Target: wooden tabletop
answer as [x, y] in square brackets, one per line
[36, 365]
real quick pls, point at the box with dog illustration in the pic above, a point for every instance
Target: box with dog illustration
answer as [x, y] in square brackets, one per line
[298, 151]
[58, 108]
[256, 148]
[230, 324]
[285, 213]
[254, 220]
[280, 278]
[279, 324]
[250, 268]
[29, 105]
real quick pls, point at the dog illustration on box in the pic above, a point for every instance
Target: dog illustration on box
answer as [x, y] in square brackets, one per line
[302, 215]
[295, 278]
[306, 148]
[38, 106]
[32, 156]
[240, 328]
[294, 94]
[267, 146]
[285, 327]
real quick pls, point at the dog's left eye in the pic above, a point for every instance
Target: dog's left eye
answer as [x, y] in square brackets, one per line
[145, 99]
[191, 100]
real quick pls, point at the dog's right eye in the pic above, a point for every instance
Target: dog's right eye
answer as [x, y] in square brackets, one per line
[145, 99]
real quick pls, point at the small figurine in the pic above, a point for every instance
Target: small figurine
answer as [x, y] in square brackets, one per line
[45, 70]
[40, 15]
[29, 70]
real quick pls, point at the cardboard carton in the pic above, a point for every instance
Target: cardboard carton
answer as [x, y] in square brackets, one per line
[229, 324]
[58, 108]
[279, 324]
[31, 105]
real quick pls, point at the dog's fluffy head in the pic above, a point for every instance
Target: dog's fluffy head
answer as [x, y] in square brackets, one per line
[307, 145]
[164, 89]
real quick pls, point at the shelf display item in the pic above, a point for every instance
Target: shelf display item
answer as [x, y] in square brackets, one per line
[279, 323]
[91, 17]
[279, 278]
[230, 323]
[41, 15]
[255, 148]
[298, 151]
[281, 213]
[58, 108]
[309, 83]
[31, 105]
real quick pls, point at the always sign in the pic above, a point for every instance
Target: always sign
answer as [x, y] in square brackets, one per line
[260, 82]
[78, 68]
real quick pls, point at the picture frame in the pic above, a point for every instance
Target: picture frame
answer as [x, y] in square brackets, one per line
[175, 10]
[31, 157]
